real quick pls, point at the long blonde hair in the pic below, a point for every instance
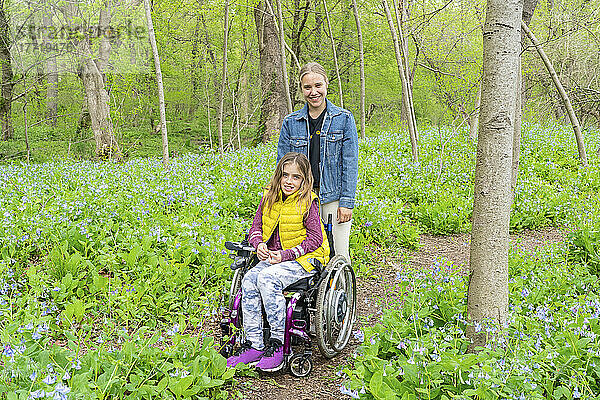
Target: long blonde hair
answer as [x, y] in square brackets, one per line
[274, 192]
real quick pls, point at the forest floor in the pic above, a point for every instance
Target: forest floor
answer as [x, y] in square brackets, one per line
[324, 382]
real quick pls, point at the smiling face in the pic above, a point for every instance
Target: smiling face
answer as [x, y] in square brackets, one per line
[291, 179]
[314, 89]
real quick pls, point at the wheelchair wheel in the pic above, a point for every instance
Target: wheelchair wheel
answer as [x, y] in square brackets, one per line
[300, 365]
[236, 285]
[228, 328]
[336, 307]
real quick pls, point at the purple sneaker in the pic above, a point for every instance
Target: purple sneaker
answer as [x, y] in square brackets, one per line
[245, 355]
[272, 359]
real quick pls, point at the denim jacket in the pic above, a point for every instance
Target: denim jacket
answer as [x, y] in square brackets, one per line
[339, 151]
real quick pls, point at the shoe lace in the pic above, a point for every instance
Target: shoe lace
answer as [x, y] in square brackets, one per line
[247, 345]
[274, 345]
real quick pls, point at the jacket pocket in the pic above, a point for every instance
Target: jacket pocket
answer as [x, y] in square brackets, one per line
[299, 144]
[334, 146]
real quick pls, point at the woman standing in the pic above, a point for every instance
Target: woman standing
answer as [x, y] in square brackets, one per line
[327, 135]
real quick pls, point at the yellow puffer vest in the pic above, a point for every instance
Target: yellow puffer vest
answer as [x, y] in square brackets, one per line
[288, 215]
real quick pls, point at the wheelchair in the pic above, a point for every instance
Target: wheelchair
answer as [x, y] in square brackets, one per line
[321, 307]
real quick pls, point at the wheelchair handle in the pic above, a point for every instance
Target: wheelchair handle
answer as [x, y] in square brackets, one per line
[329, 233]
[236, 246]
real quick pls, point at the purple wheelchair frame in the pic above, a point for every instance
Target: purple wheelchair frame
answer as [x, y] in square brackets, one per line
[300, 363]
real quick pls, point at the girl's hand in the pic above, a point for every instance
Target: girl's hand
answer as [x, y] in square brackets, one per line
[275, 257]
[344, 214]
[262, 252]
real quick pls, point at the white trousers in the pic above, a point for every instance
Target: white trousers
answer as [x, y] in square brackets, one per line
[341, 232]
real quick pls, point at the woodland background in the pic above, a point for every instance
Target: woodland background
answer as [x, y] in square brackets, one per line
[44, 105]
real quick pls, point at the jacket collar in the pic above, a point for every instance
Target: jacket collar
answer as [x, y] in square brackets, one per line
[332, 110]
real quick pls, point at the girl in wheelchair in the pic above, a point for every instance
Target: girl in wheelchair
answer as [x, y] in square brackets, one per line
[286, 232]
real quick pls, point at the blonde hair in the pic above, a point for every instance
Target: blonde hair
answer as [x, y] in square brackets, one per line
[274, 192]
[312, 67]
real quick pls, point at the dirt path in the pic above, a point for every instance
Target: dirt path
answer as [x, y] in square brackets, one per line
[323, 383]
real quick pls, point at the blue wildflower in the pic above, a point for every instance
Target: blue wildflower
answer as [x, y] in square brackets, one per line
[50, 379]
[38, 394]
[359, 335]
[8, 351]
[348, 392]
[173, 330]
[76, 364]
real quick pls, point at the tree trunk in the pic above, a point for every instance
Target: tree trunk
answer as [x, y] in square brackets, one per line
[91, 72]
[223, 77]
[194, 70]
[98, 107]
[208, 105]
[401, 16]
[159, 83]
[273, 106]
[361, 53]
[7, 77]
[404, 80]
[52, 91]
[299, 23]
[25, 122]
[562, 92]
[335, 58]
[284, 73]
[51, 75]
[487, 301]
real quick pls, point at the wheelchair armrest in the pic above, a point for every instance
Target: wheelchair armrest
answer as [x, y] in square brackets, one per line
[316, 263]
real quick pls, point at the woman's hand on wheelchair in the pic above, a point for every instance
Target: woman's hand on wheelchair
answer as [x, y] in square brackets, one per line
[344, 214]
[262, 252]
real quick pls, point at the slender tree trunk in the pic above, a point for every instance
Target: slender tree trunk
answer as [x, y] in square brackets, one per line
[335, 58]
[52, 78]
[274, 105]
[25, 121]
[284, 73]
[244, 94]
[401, 16]
[208, 102]
[487, 301]
[194, 70]
[404, 80]
[223, 77]
[7, 77]
[159, 83]
[298, 28]
[562, 92]
[361, 53]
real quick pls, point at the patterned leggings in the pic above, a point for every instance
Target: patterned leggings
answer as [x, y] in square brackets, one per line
[263, 285]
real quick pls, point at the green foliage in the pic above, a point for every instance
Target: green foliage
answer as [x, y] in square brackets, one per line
[549, 351]
[92, 251]
[139, 365]
[584, 248]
